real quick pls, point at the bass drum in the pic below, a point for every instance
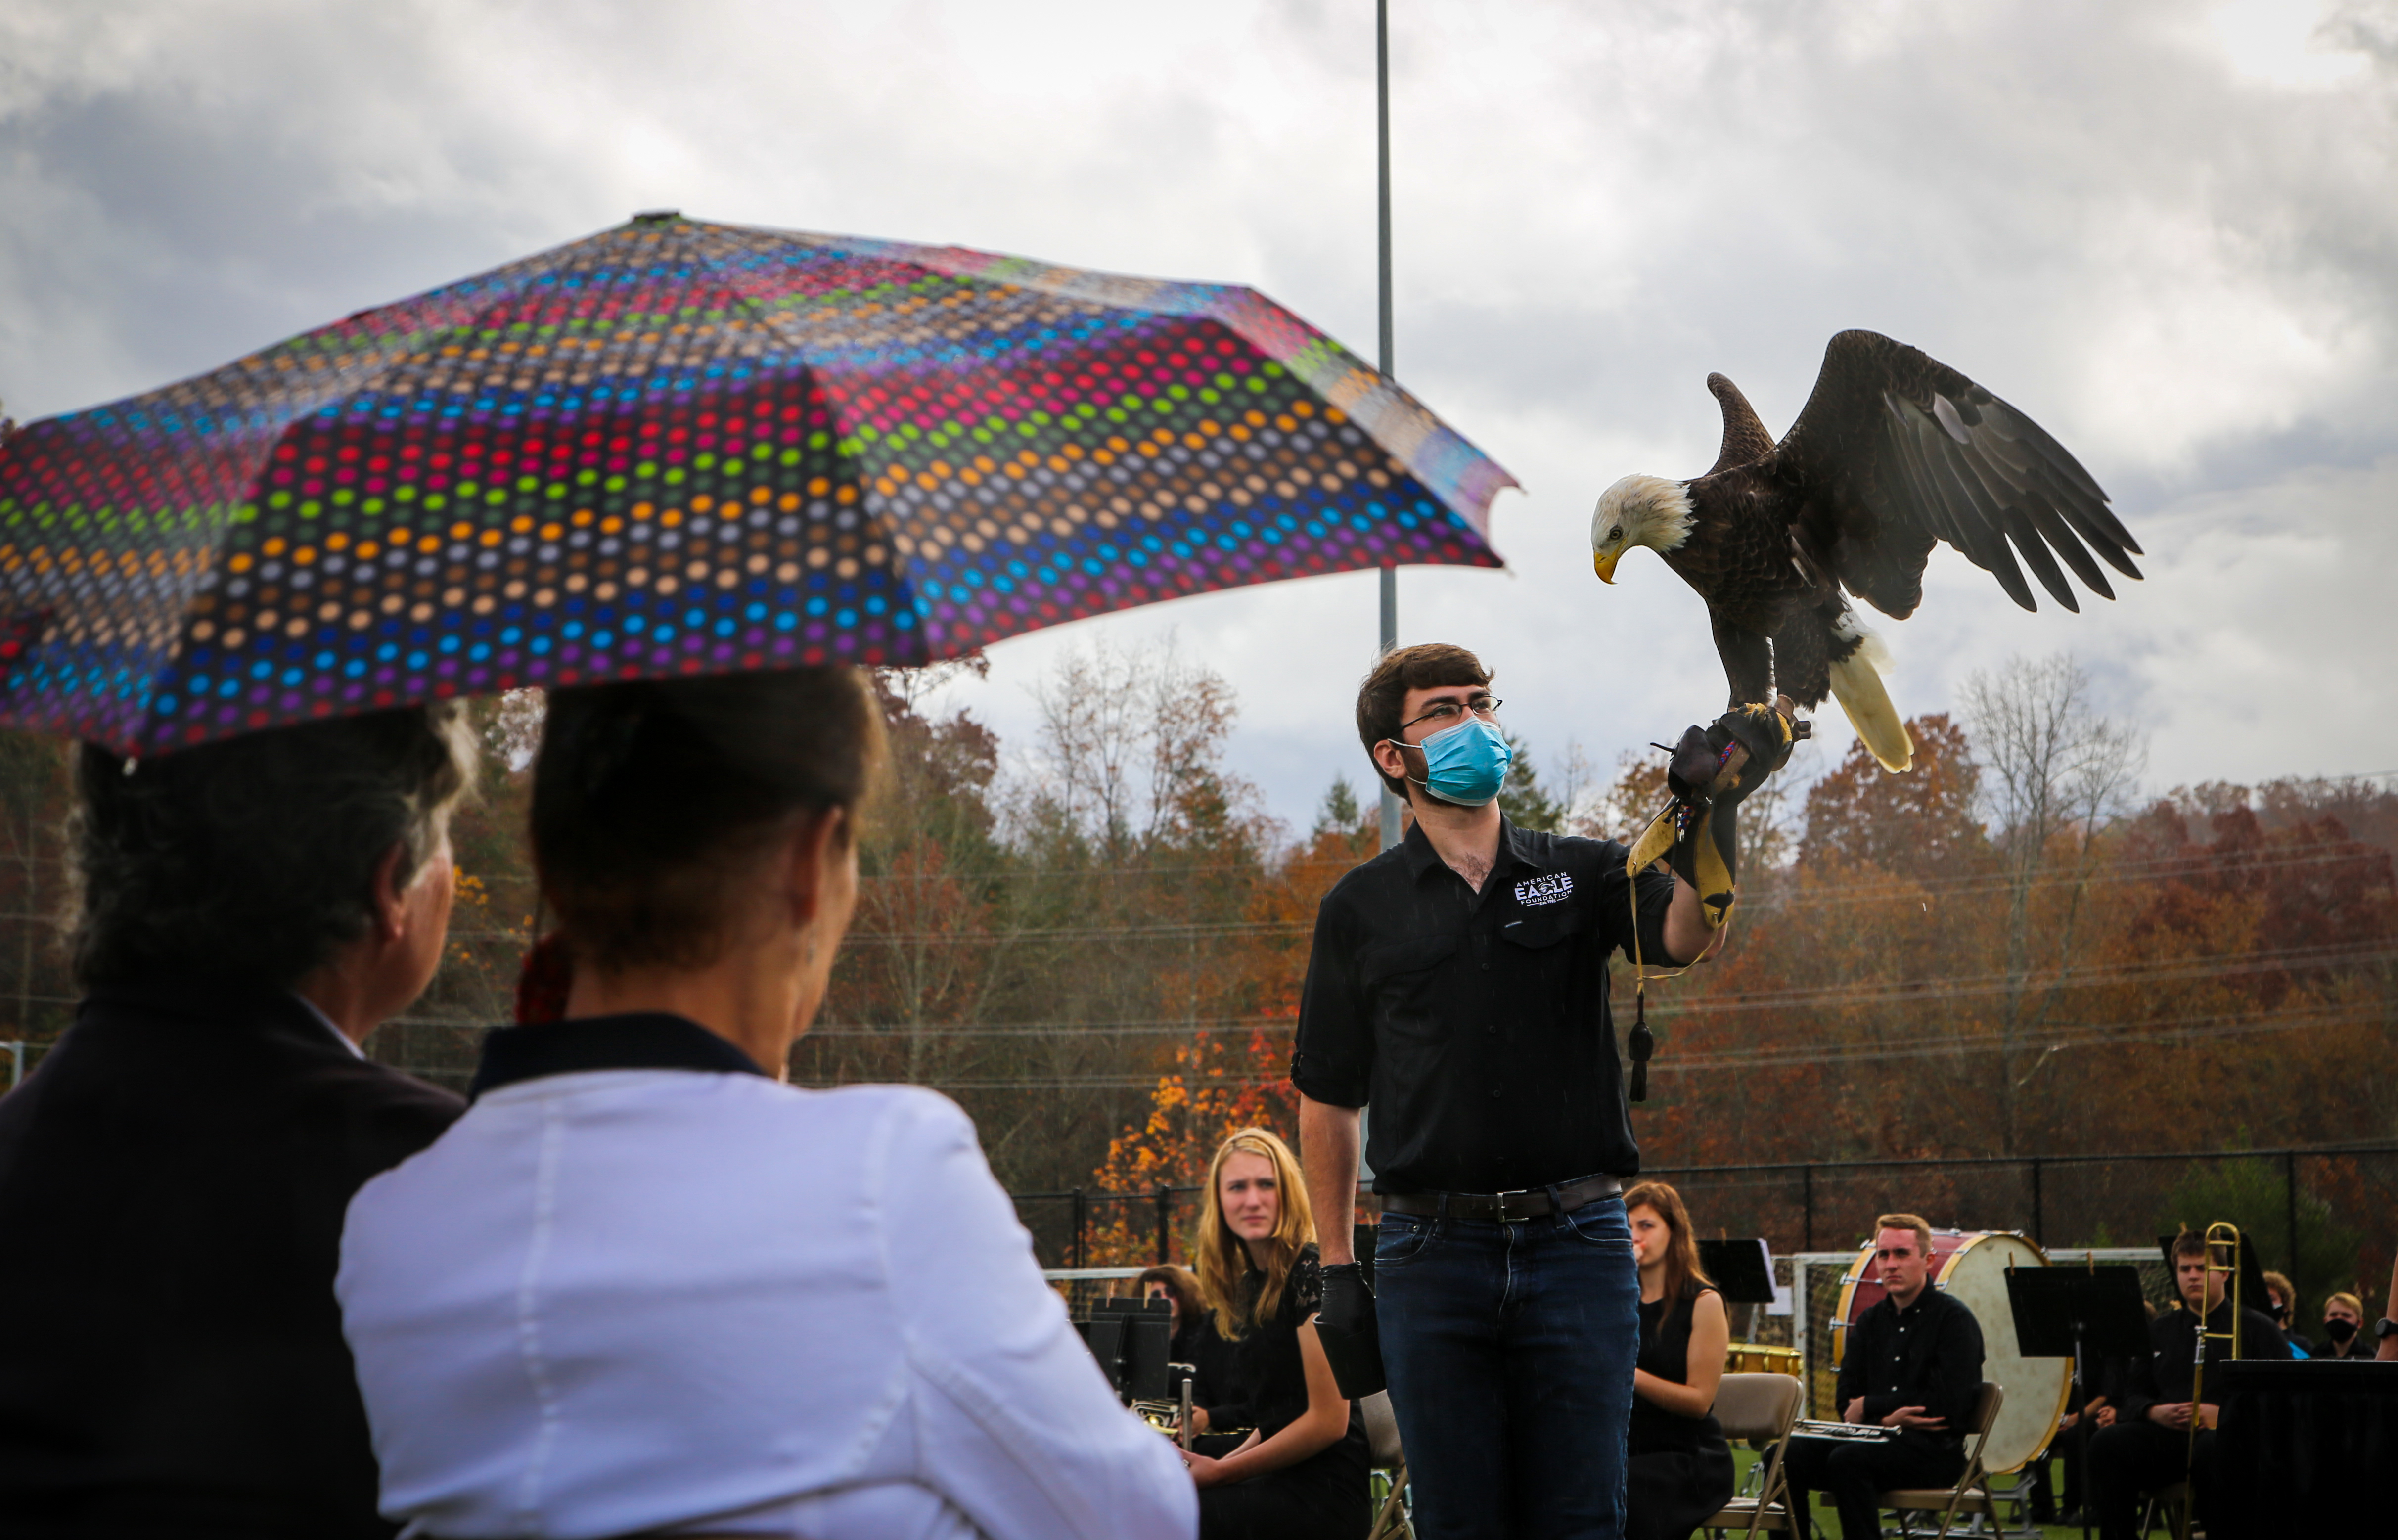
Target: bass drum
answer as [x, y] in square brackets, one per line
[1970, 1267]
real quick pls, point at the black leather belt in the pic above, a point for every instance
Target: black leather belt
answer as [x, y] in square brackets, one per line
[1506, 1207]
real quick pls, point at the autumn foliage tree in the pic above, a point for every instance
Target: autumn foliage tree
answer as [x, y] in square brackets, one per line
[1094, 939]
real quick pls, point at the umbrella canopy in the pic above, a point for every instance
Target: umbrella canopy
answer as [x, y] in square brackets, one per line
[683, 448]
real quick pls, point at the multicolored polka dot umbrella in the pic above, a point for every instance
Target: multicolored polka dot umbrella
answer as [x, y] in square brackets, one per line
[686, 448]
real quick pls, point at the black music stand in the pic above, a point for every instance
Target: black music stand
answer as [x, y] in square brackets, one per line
[1742, 1269]
[1132, 1339]
[2071, 1312]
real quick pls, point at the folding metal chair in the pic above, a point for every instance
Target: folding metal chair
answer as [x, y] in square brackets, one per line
[1760, 1408]
[2164, 1505]
[1972, 1493]
[1390, 1469]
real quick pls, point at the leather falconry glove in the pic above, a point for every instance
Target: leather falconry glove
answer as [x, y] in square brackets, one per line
[1346, 1323]
[1698, 834]
[1713, 769]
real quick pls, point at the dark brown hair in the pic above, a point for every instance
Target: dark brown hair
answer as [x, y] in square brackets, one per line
[1429, 665]
[1182, 1283]
[1682, 1269]
[649, 795]
[252, 859]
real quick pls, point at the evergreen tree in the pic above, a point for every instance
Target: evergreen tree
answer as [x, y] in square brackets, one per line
[1522, 800]
[1340, 811]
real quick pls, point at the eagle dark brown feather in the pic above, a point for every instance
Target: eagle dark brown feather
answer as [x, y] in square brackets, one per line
[1893, 453]
[1745, 437]
[1895, 446]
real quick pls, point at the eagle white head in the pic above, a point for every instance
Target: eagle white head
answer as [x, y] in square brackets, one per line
[1638, 510]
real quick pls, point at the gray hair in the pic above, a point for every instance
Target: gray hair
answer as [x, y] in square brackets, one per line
[251, 859]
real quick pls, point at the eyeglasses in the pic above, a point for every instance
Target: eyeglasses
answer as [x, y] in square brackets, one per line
[1448, 711]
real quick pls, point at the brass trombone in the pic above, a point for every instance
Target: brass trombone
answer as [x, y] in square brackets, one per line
[2222, 1241]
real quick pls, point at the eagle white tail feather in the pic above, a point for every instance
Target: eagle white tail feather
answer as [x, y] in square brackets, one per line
[1856, 684]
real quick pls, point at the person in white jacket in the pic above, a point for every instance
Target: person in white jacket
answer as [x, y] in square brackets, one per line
[642, 1286]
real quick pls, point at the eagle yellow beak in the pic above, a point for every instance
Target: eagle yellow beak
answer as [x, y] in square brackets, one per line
[1603, 563]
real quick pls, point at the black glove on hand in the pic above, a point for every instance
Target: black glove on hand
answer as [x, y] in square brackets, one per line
[1345, 1325]
[1713, 769]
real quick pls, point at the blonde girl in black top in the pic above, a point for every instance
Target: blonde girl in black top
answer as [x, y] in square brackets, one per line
[1302, 1473]
[1679, 1473]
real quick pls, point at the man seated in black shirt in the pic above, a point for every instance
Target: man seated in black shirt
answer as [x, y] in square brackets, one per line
[1913, 1362]
[2147, 1443]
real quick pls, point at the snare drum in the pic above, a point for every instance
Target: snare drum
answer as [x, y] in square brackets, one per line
[1757, 1358]
[1971, 1266]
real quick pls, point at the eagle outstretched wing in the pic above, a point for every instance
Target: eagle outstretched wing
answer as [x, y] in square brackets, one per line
[1895, 449]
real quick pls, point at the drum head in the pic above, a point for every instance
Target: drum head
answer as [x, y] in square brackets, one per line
[1976, 1275]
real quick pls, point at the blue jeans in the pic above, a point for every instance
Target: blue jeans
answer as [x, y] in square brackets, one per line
[1509, 1350]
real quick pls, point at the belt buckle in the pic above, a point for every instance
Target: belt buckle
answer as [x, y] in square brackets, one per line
[1506, 1218]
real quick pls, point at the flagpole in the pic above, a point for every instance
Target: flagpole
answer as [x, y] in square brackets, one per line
[1390, 634]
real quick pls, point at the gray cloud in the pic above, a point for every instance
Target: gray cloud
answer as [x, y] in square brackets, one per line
[2165, 231]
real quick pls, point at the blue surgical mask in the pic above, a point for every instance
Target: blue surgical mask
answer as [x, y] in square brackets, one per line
[1466, 765]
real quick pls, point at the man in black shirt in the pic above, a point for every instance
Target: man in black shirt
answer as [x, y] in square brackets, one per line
[2147, 1442]
[1913, 1362]
[1458, 983]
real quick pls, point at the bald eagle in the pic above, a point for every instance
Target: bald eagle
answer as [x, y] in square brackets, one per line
[1893, 451]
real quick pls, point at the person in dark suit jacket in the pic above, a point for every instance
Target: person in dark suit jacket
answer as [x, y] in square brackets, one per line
[173, 1175]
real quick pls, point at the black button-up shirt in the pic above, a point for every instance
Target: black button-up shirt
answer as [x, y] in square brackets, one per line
[2172, 1354]
[1476, 1024]
[1928, 1354]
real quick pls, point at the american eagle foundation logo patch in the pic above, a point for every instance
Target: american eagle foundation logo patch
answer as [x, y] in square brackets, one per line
[1554, 888]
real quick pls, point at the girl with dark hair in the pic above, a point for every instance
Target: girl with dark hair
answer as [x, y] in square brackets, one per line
[1178, 1287]
[1197, 1344]
[1303, 1472]
[642, 1286]
[1680, 1474]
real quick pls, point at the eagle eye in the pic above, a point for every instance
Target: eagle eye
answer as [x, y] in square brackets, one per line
[1616, 534]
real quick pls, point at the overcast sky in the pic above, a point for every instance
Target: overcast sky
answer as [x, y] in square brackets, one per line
[2168, 231]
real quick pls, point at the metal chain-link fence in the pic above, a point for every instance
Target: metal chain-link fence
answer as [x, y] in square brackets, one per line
[2324, 1215]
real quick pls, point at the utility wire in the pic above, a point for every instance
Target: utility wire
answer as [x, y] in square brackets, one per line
[1982, 985]
[1831, 997]
[2141, 1034]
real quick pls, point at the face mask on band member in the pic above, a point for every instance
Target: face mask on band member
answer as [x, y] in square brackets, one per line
[1466, 765]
